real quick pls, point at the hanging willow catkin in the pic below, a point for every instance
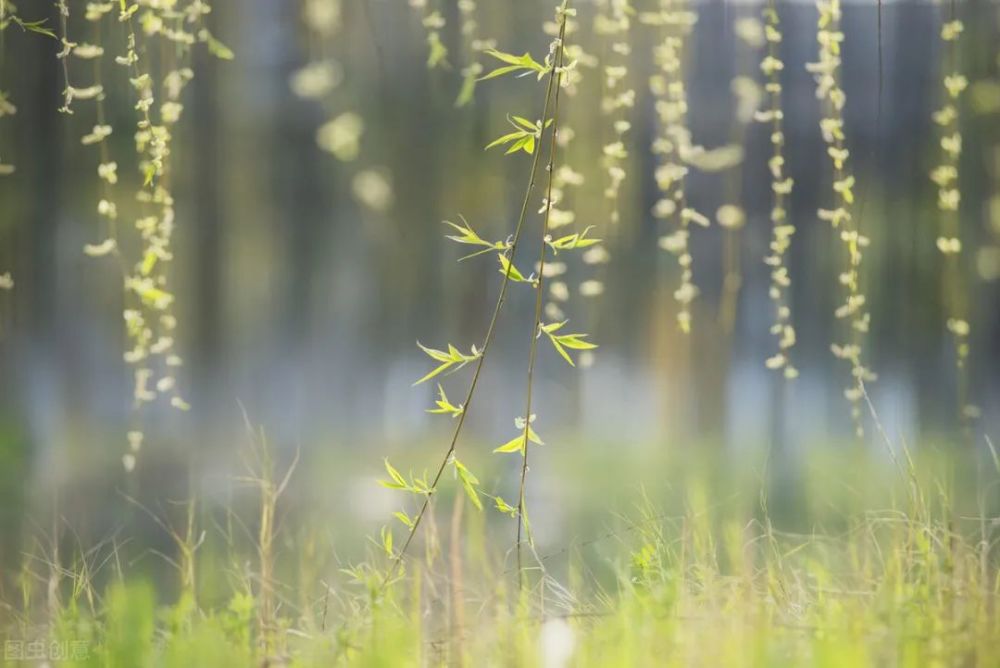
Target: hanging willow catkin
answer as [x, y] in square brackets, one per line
[474, 45]
[433, 22]
[945, 177]
[673, 144]
[782, 228]
[853, 308]
[150, 321]
[617, 98]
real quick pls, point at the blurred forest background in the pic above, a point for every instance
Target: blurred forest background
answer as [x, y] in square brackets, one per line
[303, 281]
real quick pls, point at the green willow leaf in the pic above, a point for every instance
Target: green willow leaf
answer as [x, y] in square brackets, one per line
[397, 482]
[507, 268]
[451, 360]
[469, 482]
[504, 507]
[524, 63]
[573, 241]
[563, 341]
[515, 444]
[444, 406]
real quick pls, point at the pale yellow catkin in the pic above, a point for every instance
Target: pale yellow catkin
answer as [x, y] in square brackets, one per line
[617, 96]
[7, 107]
[562, 218]
[985, 101]
[321, 80]
[473, 44]
[433, 22]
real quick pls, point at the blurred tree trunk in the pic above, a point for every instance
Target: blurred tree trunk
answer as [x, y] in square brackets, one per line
[39, 157]
[206, 225]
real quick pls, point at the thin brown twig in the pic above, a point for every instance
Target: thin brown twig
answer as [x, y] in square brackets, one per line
[521, 515]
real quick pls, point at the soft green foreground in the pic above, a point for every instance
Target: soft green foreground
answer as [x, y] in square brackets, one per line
[698, 573]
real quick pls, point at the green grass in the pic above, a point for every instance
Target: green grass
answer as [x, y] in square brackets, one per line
[864, 564]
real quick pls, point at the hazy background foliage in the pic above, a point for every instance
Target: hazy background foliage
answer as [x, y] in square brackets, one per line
[305, 306]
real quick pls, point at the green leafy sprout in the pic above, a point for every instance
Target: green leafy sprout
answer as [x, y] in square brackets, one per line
[519, 443]
[524, 136]
[466, 235]
[572, 241]
[562, 342]
[452, 360]
[444, 406]
[398, 481]
[523, 65]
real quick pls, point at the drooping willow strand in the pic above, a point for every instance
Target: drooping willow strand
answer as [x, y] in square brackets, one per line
[433, 22]
[853, 309]
[560, 198]
[107, 172]
[611, 27]
[505, 252]
[153, 323]
[523, 525]
[617, 96]
[946, 177]
[673, 145]
[782, 228]
[474, 44]
[149, 318]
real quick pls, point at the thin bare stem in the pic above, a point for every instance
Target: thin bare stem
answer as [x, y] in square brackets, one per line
[521, 516]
